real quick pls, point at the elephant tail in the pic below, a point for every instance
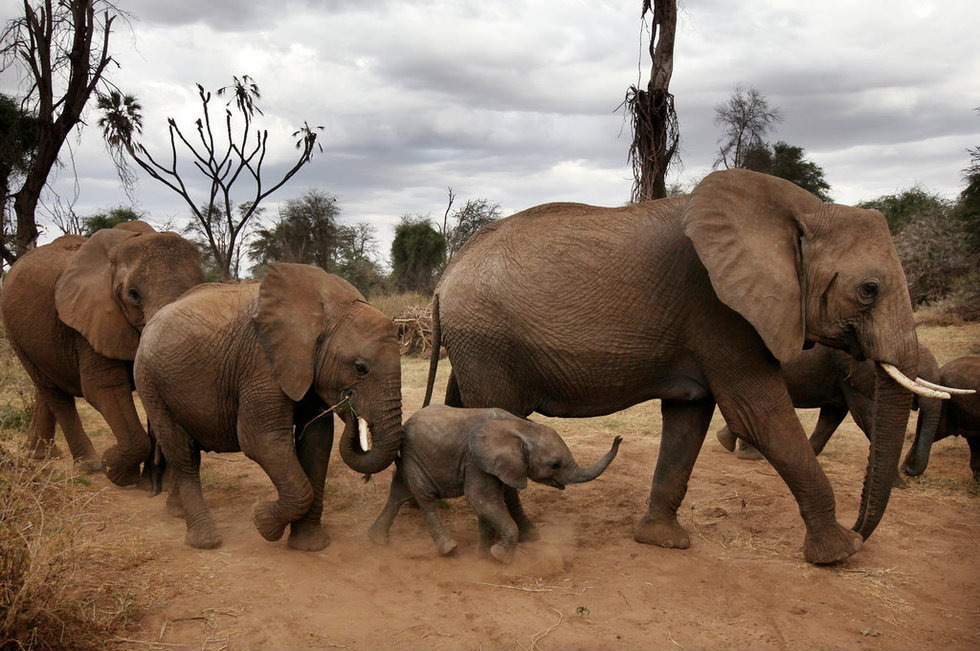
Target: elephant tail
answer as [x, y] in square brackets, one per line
[434, 352]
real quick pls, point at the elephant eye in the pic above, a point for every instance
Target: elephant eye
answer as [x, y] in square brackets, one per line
[133, 296]
[556, 465]
[868, 291]
[361, 368]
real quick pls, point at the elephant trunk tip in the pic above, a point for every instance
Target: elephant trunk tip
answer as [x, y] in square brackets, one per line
[579, 475]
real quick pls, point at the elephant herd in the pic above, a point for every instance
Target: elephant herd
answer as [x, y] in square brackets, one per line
[749, 295]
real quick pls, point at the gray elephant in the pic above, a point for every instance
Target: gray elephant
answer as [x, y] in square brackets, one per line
[73, 311]
[574, 310]
[486, 455]
[256, 367]
[960, 417]
[835, 383]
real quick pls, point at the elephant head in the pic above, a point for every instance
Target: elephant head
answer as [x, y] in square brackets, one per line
[119, 278]
[319, 334]
[801, 271]
[517, 450]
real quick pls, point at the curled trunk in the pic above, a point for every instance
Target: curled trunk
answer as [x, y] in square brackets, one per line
[576, 475]
[385, 436]
[891, 414]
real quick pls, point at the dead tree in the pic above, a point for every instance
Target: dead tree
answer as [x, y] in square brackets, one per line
[655, 130]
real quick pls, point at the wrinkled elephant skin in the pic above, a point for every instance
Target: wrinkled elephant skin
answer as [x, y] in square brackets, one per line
[574, 310]
[243, 367]
[73, 311]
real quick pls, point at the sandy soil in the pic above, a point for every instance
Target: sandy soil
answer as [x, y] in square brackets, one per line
[586, 584]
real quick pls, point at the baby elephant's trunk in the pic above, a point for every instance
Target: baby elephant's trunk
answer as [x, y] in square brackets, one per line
[577, 475]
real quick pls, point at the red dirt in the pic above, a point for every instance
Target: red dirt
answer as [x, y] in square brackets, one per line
[586, 584]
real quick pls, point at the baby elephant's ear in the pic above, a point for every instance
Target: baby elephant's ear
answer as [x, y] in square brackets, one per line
[497, 450]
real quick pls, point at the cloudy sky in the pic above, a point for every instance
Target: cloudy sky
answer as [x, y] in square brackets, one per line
[517, 101]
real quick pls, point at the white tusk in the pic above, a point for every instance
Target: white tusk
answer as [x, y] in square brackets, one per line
[939, 387]
[902, 379]
[364, 433]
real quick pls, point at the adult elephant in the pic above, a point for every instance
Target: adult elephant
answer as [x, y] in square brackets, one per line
[834, 382]
[256, 367]
[960, 417]
[574, 310]
[73, 311]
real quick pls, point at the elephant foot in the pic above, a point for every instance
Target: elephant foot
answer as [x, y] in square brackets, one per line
[913, 471]
[203, 536]
[119, 469]
[378, 534]
[266, 521]
[88, 465]
[664, 532]
[174, 505]
[503, 553]
[446, 546]
[726, 438]
[308, 537]
[528, 533]
[831, 545]
[748, 452]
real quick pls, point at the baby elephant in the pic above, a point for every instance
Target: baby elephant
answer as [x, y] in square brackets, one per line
[486, 455]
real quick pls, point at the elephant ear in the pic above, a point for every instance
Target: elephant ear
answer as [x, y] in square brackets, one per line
[499, 451]
[746, 229]
[83, 294]
[296, 306]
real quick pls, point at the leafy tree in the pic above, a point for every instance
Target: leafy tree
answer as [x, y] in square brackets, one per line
[902, 207]
[62, 50]
[356, 257]
[417, 252]
[306, 232]
[222, 223]
[460, 224]
[788, 162]
[655, 131]
[18, 128]
[746, 118]
[108, 219]
[967, 210]
[933, 252]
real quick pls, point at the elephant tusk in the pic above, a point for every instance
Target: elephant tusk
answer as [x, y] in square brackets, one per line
[902, 379]
[364, 434]
[949, 390]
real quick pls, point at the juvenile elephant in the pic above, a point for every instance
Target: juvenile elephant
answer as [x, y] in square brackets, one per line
[486, 455]
[256, 367]
[835, 383]
[73, 311]
[574, 310]
[960, 417]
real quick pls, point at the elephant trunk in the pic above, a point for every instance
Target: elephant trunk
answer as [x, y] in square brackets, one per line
[891, 414]
[574, 474]
[369, 445]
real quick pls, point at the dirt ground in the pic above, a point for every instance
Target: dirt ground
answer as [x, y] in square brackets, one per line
[586, 584]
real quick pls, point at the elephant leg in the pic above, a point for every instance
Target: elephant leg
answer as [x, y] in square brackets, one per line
[62, 406]
[485, 495]
[186, 499]
[273, 448]
[430, 511]
[526, 529]
[684, 427]
[106, 384]
[828, 421]
[398, 494]
[974, 443]
[453, 399]
[782, 441]
[40, 434]
[314, 441]
[486, 536]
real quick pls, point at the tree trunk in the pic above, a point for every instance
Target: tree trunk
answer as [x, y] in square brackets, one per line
[655, 133]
